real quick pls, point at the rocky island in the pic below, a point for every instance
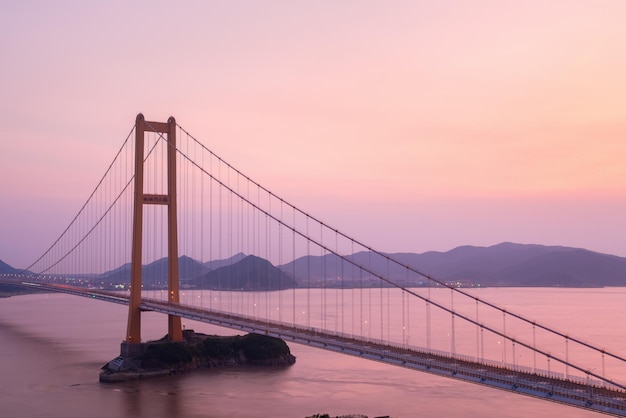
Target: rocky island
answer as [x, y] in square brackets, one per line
[196, 351]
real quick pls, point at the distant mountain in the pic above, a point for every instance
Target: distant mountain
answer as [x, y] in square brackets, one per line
[505, 264]
[332, 271]
[250, 273]
[215, 264]
[155, 274]
[569, 267]
[510, 264]
[7, 269]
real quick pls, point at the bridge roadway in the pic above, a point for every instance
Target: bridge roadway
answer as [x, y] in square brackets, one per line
[611, 401]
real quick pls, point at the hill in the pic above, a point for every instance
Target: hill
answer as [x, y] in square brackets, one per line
[250, 273]
[505, 264]
[215, 264]
[155, 274]
[7, 269]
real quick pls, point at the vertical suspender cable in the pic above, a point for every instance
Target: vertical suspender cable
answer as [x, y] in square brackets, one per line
[352, 301]
[229, 252]
[308, 275]
[268, 255]
[477, 331]
[504, 339]
[361, 319]
[293, 266]
[452, 332]
[382, 337]
[202, 258]
[339, 275]
[324, 286]
[280, 263]
[428, 342]
[369, 299]
[535, 349]
[211, 230]
[220, 237]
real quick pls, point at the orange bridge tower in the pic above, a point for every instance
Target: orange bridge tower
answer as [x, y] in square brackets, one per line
[133, 334]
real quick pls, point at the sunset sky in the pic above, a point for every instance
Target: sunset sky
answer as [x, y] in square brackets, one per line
[413, 126]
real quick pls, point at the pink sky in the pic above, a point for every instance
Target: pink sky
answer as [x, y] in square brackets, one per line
[412, 126]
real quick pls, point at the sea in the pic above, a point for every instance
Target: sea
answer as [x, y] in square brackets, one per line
[52, 347]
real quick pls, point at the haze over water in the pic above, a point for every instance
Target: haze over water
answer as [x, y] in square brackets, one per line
[53, 346]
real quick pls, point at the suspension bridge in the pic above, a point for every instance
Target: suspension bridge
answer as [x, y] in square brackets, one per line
[254, 262]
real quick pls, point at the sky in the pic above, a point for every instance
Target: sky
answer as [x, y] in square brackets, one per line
[410, 125]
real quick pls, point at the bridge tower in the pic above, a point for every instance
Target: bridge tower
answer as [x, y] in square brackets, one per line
[133, 334]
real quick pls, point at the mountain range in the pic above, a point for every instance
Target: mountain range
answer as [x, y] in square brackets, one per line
[505, 264]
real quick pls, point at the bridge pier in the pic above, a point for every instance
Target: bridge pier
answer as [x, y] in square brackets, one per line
[128, 350]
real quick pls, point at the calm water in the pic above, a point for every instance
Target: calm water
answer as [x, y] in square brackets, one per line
[53, 347]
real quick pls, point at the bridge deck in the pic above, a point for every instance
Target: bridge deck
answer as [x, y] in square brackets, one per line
[597, 398]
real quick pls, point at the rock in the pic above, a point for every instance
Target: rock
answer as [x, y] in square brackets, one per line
[196, 351]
